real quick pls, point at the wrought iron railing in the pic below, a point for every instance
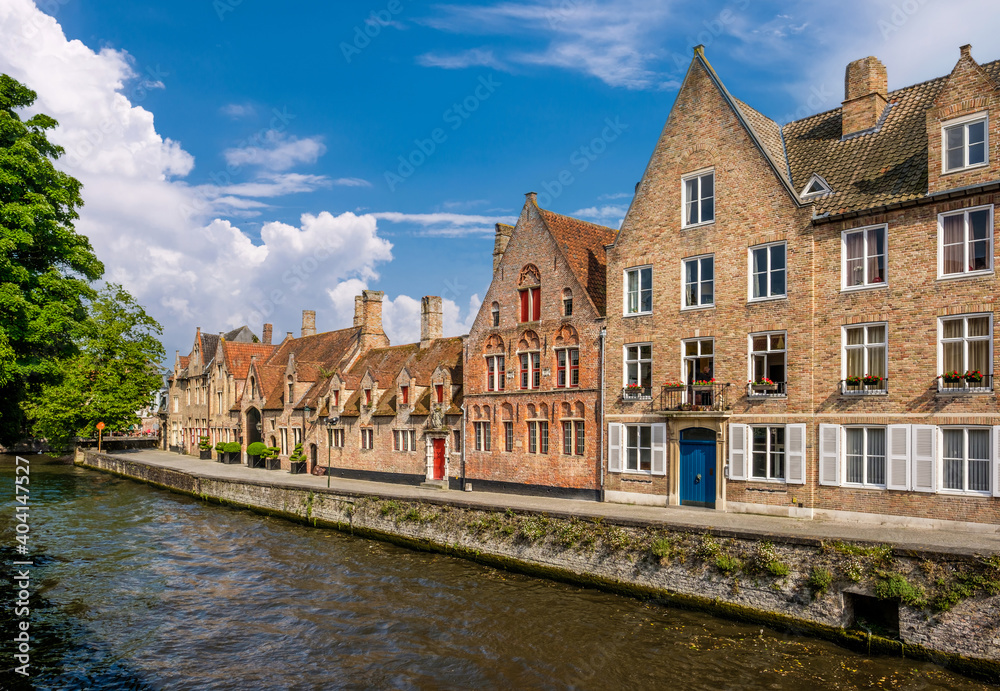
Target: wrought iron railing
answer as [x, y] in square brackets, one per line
[985, 385]
[767, 391]
[644, 393]
[862, 389]
[691, 397]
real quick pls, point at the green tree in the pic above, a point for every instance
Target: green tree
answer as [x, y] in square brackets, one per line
[113, 374]
[45, 266]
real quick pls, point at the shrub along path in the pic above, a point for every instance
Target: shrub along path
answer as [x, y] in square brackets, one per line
[980, 540]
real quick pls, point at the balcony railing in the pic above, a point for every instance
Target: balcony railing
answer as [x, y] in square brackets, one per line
[863, 389]
[637, 394]
[778, 389]
[707, 397]
[966, 386]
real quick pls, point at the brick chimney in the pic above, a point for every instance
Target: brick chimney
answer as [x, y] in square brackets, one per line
[430, 319]
[370, 322]
[266, 336]
[358, 311]
[308, 323]
[866, 87]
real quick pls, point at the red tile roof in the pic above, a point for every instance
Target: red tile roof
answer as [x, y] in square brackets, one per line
[583, 245]
[238, 355]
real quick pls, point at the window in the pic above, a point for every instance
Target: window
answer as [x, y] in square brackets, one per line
[767, 271]
[864, 257]
[639, 290]
[482, 430]
[176, 404]
[457, 444]
[368, 396]
[538, 436]
[865, 350]
[768, 448]
[639, 448]
[495, 312]
[767, 357]
[404, 440]
[699, 360]
[496, 372]
[531, 304]
[338, 438]
[404, 394]
[699, 281]
[573, 437]
[639, 365]
[964, 143]
[864, 456]
[367, 438]
[967, 345]
[531, 373]
[567, 303]
[966, 459]
[508, 436]
[439, 393]
[296, 435]
[284, 441]
[568, 367]
[699, 199]
[336, 398]
[965, 240]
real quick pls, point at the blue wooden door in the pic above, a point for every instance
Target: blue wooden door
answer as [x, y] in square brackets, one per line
[697, 467]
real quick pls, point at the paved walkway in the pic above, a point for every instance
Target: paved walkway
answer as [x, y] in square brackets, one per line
[936, 540]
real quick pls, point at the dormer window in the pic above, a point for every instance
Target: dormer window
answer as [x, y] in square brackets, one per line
[404, 394]
[336, 398]
[439, 392]
[963, 143]
[816, 187]
[699, 198]
[368, 396]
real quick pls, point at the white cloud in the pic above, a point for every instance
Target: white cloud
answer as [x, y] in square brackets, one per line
[447, 224]
[610, 215]
[475, 57]
[352, 182]
[276, 151]
[237, 110]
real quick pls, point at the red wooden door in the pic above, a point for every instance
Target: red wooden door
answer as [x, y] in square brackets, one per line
[439, 459]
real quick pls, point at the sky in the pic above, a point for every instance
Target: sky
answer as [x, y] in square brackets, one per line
[242, 163]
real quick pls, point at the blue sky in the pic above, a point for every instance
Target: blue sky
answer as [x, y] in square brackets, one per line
[242, 163]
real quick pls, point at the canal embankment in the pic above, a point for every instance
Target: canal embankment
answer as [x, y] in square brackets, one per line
[909, 595]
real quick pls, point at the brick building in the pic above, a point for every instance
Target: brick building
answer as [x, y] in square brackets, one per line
[532, 366]
[784, 300]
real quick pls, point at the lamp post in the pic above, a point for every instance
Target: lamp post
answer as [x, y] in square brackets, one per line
[330, 422]
[305, 414]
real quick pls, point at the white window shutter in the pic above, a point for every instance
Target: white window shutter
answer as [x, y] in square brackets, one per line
[923, 458]
[737, 452]
[829, 454]
[996, 461]
[659, 449]
[897, 472]
[795, 469]
[614, 448]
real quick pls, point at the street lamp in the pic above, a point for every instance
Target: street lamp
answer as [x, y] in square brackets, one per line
[330, 422]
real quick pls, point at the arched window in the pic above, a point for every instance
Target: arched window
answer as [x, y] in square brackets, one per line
[529, 287]
[253, 388]
[495, 312]
[530, 361]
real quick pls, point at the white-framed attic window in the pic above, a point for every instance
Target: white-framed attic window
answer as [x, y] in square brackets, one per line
[816, 187]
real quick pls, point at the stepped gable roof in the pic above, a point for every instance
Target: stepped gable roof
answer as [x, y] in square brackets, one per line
[440, 351]
[886, 166]
[237, 356]
[582, 244]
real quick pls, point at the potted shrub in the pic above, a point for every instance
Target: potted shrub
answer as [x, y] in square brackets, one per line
[973, 377]
[297, 460]
[254, 452]
[762, 385]
[953, 377]
[233, 449]
[220, 448]
[271, 456]
[873, 380]
[204, 449]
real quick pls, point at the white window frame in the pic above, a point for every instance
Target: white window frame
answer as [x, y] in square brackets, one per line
[965, 347]
[750, 274]
[367, 438]
[863, 346]
[495, 379]
[698, 175]
[750, 453]
[284, 441]
[991, 465]
[964, 123]
[685, 357]
[942, 276]
[698, 282]
[626, 293]
[534, 356]
[639, 362]
[751, 353]
[867, 284]
[638, 448]
[864, 484]
[483, 435]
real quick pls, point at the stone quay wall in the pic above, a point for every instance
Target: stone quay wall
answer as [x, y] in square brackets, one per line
[852, 593]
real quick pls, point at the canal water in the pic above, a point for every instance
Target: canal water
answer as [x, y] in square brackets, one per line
[139, 588]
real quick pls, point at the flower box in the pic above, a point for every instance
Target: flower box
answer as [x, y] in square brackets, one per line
[673, 386]
[205, 454]
[764, 387]
[973, 377]
[273, 463]
[873, 380]
[952, 377]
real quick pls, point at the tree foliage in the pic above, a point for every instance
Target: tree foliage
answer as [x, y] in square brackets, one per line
[45, 266]
[113, 374]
